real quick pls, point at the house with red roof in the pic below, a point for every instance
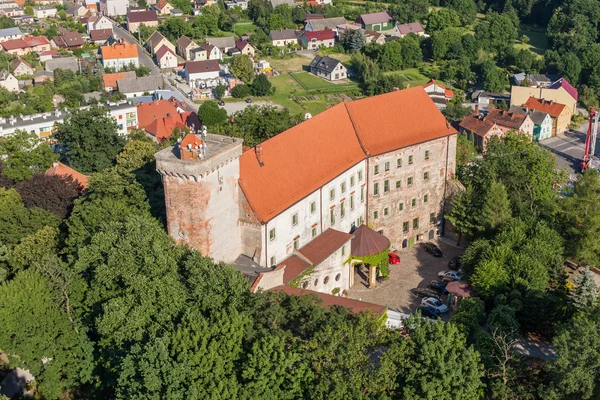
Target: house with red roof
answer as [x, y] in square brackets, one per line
[316, 39]
[26, 45]
[438, 92]
[478, 130]
[560, 113]
[380, 21]
[68, 40]
[242, 47]
[160, 117]
[63, 170]
[166, 58]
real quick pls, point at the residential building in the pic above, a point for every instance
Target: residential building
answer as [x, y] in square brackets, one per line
[486, 99]
[200, 70]
[100, 36]
[268, 202]
[119, 55]
[91, 6]
[126, 116]
[68, 40]
[166, 58]
[560, 91]
[109, 81]
[47, 55]
[542, 122]
[283, 37]
[137, 18]
[242, 47]
[156, 41]
[21, 67]
[509, 121]
[328, 68]
[560, 113]
[113, 7]
[10, 34]
[95, 23]
[8, 81]
[185, 45]
[160, 117]
[316, 39]
[478, 130]
[76, 11]
[65, 171]
[13, 12]
[373, 37]
[242, 4]
[535, 80]
[37, 44]
[26, 45]
[325, 23]
[381, 21]
[438, 92]
[70, 63]
[206, 51]
[401, 30]
[223, 43]
[44, 12]
[162, 7]
[136, 87]
[176, 12]
[41, 77]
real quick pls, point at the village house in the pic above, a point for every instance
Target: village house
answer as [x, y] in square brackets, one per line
[166, 58]
[26, 45]
[401, 30]
[223, 43]
[438, 92]
[95, 23]
[91, 6]
[65, 171]
[156, 41]
[324, 23]
[560, 113]
[8, 81]
[328, 68]
[509, 121]
[41, 77]
[242, 47]
[266, 203]
[185, 45]
[70, 63]
[561, 91]
[535, 80]
[160, 117]
[206, 51]
[119, 55]
[100, 37]
[542, 122]
[21, 67]
[242, 4]
[486, 99]
[374, 37]
[283, 37]
[136, 87]
[113, 7]
[76, 11]
[137, 18]
[68, 40]
[381, 21]
[200, 70]
[44, 12]
[478, 130]
[162, 7]
[316, 39]
[109, 81]
[10, 34]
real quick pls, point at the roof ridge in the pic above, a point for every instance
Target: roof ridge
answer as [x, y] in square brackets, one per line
[360, 142]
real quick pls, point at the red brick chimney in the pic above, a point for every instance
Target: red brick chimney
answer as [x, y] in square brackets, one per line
[258, 151]
[476, 112]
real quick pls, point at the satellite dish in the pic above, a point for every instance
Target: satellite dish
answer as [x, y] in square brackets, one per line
[307, 116]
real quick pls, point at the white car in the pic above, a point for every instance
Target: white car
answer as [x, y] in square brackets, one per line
[455, 275]
[435, 303]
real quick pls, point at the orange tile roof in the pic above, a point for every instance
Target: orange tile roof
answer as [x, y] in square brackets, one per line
[547, 106]
[191, 139]
[119, 50]
[160, 118]
[474, 124]
[61, 169]
[110, 80]
[397, 119]
[302, 159]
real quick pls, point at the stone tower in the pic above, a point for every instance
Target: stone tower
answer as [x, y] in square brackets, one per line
[200, 178]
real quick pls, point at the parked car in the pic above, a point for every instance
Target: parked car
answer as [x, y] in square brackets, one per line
[221, 103]
[454, 263]
[432, 249]
[424, 292]
[438, 286]
[454, 275]
[429, 312]
[393, 258]
[248, 100]
[435, 303]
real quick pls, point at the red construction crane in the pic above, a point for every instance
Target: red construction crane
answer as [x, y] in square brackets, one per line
[590, 140]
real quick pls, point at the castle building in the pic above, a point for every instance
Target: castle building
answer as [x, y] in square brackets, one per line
[382, 161]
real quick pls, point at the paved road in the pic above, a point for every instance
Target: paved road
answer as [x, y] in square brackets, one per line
[569, 147]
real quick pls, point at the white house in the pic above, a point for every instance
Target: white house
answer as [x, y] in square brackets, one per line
[119, 55]
[166, 58]
[44, 12]
[97, 23]
[10, 33]
[328, 68]
[113, 7]
[21, 67]
[8, 81]
[200, 70]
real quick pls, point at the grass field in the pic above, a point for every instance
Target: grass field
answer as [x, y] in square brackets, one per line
[311, 82]
[412, 75]
[246, 26]
[538, 41]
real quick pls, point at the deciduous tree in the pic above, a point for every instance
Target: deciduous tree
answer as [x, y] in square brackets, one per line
[242, 67]
[24, 154]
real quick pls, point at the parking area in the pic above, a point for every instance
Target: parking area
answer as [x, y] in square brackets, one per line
[416, 269]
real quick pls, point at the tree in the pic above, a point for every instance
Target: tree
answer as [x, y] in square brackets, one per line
[6, 22]
[136, 154]
[455, 110]
[436, 361]
[585, 294]
[494, 78]
[353, 40]
[571, 67]
[466, 10]
[365, 68]
[183, 5]
[461, 216]
[220, 91]
[242, 68]
[24, 154]
[89, 140]
[39, 337]
[496, 209]
[50, 192]
[470, 314]
[575, 373]
[173, 28]
[409, 11]
[497, 31]
[465, 151]
[261, 86]
[442, 19]
[211, 114]
[525, 61]
[241, 91]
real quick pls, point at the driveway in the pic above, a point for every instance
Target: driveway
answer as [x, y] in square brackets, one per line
[416, 269]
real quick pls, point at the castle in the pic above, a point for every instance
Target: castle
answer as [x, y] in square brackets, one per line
[291, 201]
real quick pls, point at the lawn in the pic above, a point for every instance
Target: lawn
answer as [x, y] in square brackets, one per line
[538, 41]
[311, 82]
[285, 65]
[412, 75]
[245, 26]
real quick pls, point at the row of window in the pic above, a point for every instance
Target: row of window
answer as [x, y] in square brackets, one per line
[387, 164]
[325, 281]
[386, 184]
[405, 224]
[359, 175]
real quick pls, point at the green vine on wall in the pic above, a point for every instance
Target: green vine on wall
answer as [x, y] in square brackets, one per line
[380, 260]
[296, 281]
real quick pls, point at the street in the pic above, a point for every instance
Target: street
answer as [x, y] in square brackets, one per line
[568, 148]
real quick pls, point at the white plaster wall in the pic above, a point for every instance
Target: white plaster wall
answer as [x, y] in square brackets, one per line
[120, 62]
[330, 268]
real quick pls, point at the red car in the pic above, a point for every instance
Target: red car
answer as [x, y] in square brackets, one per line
[393, 258]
